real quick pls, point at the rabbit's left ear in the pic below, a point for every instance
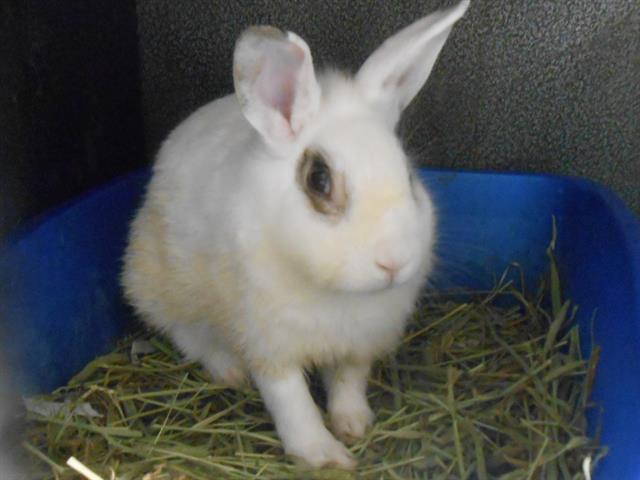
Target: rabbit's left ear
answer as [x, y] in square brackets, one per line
[275, 82]
[398, 69]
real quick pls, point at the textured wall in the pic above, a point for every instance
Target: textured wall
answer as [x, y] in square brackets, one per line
[13, 144]
[70, 111]
[548, 86]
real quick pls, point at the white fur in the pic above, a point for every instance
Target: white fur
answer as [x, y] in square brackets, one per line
[349, 410]
[227, 256]
[298, 421]
[392, 80]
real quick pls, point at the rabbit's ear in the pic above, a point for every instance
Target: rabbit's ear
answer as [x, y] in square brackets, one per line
[275, 82]
[398, 69]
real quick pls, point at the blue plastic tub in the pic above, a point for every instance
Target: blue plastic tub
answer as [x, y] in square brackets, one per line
[62, 303]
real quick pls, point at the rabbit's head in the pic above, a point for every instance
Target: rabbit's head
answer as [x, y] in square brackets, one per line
[345, 208]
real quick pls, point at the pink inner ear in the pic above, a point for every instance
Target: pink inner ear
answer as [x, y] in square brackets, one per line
[396, 81]
[278, 79]
[278, 91]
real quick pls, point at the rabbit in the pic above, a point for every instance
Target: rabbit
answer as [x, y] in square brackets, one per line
[283, 229]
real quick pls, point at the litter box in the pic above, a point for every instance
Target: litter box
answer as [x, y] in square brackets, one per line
[61, 301]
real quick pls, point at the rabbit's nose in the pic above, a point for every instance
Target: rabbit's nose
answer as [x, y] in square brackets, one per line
[391, 266]
[390, 269]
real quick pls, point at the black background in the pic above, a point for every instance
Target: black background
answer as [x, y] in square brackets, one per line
[70, 103]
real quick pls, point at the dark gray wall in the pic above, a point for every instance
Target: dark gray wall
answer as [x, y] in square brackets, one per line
[13, 145]
[70, 108]
[547, 86]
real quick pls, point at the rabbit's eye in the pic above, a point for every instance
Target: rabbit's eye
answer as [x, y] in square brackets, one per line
[324, 188]
[319, 178]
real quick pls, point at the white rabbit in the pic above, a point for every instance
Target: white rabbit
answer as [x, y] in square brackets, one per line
[283, 229]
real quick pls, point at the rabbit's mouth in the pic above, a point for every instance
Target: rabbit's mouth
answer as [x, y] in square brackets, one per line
[380, 279]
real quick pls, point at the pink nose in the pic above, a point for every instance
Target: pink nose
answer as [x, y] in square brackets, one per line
[390, 267]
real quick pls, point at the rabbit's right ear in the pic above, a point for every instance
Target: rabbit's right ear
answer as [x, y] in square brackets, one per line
[398, 69]
[275, 82]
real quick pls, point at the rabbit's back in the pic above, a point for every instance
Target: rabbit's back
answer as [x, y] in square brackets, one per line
[177, 268]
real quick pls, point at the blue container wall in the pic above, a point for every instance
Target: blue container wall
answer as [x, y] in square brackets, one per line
[63, 304]
[60, 295]
[489, 220]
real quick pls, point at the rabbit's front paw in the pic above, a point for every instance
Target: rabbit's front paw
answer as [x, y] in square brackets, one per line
[322, 451]
[351, 421]
[225, 369]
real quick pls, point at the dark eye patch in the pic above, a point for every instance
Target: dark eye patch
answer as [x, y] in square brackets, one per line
[324, 187]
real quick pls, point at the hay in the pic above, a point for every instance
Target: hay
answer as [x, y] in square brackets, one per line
[489, 385]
